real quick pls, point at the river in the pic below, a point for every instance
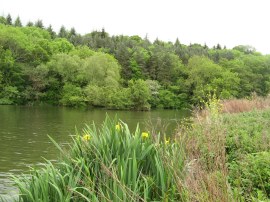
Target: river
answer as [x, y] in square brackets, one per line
[24, 133]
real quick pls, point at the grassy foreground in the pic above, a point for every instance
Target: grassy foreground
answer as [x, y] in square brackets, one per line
[220, 157]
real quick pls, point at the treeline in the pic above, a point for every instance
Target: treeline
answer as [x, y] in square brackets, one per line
[38, 65]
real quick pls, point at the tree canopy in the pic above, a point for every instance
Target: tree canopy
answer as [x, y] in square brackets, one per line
[121, 72]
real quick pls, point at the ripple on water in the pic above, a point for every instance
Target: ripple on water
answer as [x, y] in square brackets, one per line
[8, 191]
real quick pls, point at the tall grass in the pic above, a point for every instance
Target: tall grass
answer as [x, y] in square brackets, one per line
[109, 164]
[245, 105]
[205, 177]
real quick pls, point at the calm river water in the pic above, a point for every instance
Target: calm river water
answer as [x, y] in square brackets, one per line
[24, 133]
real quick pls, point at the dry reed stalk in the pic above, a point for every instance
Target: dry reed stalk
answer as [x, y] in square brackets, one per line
[245, 105]
[205, 176]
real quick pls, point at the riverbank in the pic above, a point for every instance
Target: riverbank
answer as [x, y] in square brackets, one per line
[220, 157]
[228, 149]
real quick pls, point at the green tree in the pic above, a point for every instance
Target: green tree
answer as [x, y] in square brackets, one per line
[140, 94]
[82, 51]
[17, 22]
[30, 24]
[38, 80]
[95, 96]
[3, 20]
[67, 67]
[61, 45]
[9, 19]
[39, 24]
[102, 70]
[72, 96]
[138, 63]
[154, 87]
[247, 49]
[163, 66]
[52, 33]
[204, 77]
[9, 95]
[63, 32]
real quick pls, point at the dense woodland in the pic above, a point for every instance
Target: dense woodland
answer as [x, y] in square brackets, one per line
[38, 65]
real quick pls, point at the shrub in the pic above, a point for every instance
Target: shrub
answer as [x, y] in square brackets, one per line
[251, 176]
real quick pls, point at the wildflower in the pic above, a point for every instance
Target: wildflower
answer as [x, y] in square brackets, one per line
[118, 127]
[86, 137]
[145, 135]
[167, 141]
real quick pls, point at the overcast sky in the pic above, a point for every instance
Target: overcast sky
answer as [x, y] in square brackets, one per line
[228, 22]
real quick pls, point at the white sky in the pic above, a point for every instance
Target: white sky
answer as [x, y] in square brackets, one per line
[228, 22]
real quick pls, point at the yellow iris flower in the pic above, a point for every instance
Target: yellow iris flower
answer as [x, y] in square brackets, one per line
[86, 137]
[145, 135]
[118, 127]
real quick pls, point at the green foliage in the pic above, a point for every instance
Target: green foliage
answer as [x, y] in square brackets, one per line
[38, 81]
[3, 20]
[82, 51]
[138, 62]
[246, 134]
[61, 45]
[248, 157]
[184, 73]
[169, 100]
[67, 67]
[251, 175]
[9, 19]
[206, 77]
[72, 96]
[154, 87]
[51, 32]
[102, 70]
[18, 22]
[245, 49]
[39, 24]
[140, 94]
[109, 97]
[9, 95]
[63, 32]
[94, 76]
[163, 66]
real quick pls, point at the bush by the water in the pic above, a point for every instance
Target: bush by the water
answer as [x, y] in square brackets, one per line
[248, 157]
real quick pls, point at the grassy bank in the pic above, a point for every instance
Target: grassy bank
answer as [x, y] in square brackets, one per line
[219, 157]
[230, 151]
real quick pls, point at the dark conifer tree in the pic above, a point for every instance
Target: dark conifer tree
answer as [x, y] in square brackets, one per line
[9, 19]
[50, 30]
[39, 24]
[63, 32]
[72, 32]
[205, 46]
[103, 33]
[30, 24]
[218, 47]
[18, 22]
[177, 43]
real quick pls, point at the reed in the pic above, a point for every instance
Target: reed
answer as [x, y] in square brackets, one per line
[245, 105]
[108, 164]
